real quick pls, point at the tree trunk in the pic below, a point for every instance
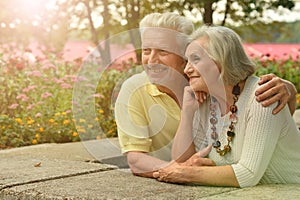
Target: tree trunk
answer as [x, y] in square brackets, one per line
[104, 50]
[133, 17]
[208, 12]
[228, 4]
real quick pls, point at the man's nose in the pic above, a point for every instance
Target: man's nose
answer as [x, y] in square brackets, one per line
[153, 57]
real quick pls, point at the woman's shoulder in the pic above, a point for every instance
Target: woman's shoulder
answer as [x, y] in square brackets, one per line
[248, 93]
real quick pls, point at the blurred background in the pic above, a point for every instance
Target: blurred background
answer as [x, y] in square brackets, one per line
[57, 23]
[44, 45]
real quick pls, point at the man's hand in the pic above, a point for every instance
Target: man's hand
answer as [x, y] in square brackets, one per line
[274, 89]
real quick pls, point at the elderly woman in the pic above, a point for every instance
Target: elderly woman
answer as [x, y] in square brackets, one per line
[245, 143]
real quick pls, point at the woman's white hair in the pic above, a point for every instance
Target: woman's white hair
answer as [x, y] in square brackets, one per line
[226, 49]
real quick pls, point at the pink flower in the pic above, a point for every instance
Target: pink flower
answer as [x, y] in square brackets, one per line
[30, 107]
[25, 90]
[81, 78]
[72, 77]
[38, 115]
[46, 95]
[13, 106]
[58, 80]
[98, 95]
[68, 111]
[48, 66]
[35, 73]
[31, 87]
[23, 97]
[90, 85]
[40, 103]
[29, 57]
[66, 85]
[75, 103]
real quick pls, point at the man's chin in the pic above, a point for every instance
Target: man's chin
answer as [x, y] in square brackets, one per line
[155, 81]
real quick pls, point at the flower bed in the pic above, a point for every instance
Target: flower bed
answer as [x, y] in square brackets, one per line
[37, 103]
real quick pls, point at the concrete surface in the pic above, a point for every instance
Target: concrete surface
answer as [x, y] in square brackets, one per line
[72, 171]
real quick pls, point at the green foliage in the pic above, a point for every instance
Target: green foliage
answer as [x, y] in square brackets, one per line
[276, 32]
[37, 100]
[286, 69]
[109, 86]
[39, 94]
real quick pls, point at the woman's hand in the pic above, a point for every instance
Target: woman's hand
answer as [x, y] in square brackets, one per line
[179, 172]
[198, 159]
[274, 89]
[192, 100]
[173, 173]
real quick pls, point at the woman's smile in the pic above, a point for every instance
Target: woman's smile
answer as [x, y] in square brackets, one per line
[193, 79]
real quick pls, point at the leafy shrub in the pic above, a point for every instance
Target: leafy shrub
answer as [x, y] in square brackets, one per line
[37, 99]
[48, 99]
[109, 86]
[286, 69]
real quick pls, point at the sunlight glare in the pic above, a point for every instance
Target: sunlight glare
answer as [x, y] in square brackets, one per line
[37, 6]
[3, 25]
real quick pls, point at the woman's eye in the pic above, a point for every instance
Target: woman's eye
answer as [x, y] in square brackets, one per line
[194, 58]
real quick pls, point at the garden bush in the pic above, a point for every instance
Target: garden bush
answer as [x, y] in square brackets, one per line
[286, 69]
[37, 99]
[39, 94]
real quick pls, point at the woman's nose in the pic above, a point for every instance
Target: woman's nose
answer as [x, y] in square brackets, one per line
[188, 68]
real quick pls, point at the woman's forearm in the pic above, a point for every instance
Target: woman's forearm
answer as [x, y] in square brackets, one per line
[215, 176]
[183, 146]
[201, 175]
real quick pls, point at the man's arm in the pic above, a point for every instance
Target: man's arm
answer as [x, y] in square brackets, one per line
[142, 164]
[274, 89]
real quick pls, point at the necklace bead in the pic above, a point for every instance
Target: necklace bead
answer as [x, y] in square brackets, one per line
[233, 119]
[217, 144]
[230, 134]
[214, 135]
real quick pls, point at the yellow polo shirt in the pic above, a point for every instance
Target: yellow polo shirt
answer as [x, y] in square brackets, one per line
[147, 119]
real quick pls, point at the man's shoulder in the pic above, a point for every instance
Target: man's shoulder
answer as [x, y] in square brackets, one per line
[133, 85]
[135, 81]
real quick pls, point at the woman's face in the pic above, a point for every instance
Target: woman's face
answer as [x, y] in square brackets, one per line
[202, 71]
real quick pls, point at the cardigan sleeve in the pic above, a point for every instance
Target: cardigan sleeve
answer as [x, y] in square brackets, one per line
[261, 136]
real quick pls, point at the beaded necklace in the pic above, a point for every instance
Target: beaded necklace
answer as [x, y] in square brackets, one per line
[233, 120]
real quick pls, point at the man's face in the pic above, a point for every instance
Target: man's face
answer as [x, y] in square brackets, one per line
[161, 54]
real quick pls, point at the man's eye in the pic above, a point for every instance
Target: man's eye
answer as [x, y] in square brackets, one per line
[146, 51]
[163, 52]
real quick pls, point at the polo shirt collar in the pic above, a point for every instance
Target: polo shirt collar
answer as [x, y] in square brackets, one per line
[153, 90]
